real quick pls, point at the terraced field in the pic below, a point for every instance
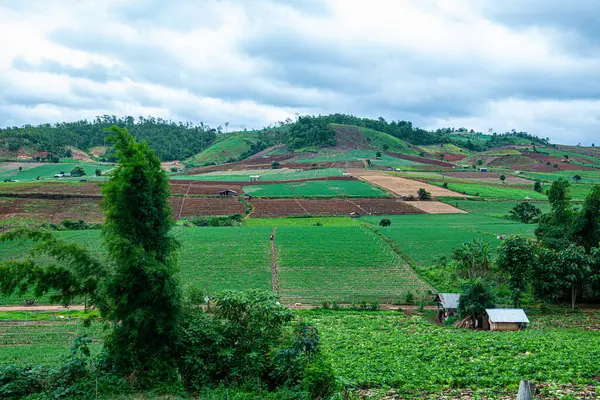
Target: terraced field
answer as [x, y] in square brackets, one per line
[341, 263]
[283, 174]
[492, 208]
[46, 171]
[425, 238]
[333, 188]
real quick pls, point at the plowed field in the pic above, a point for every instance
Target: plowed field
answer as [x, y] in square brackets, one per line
[403, 186]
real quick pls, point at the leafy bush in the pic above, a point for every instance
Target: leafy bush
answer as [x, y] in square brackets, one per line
[173, 169]
[319, 380]
[525, 212]
[231, 220]
[77, 171]
[385, 222]
[423, 194]
[275, 165]
[537, 186]
[476, 297]
[76, 225]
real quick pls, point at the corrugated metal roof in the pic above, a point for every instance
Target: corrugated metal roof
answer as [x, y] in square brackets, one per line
[507, 315]
[449, 300]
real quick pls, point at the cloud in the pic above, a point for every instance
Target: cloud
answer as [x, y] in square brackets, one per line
[531, 65]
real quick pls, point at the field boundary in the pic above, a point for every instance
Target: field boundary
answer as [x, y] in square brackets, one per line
[183, 201]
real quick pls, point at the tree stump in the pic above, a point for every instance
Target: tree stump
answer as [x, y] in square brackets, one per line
[526, 390]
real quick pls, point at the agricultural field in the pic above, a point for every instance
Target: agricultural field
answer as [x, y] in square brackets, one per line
[46, 171]
[492, 208]
[44, 342]
[282, 174]
[228, 147]
[445, 148]
[322, 188]
[417, 358]
[355, 155]
[588, 177]
[493, 191]
[414, 234]
[308, 221]
[347, 264]
[380, 139]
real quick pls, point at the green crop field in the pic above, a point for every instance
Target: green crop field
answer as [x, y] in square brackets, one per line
[302, 221]
[424, 238]
[333, 188]
[284, 174]
[45, 344]
[341, 263]
[491, 208]
[47, 171]
[445, 148]
[586, 176]
[385, 349]
[493, 191]
[228, 146]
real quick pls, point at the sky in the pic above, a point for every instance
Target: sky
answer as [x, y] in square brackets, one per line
[531, 65]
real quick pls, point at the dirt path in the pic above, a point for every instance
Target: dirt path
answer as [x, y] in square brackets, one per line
[274, 277]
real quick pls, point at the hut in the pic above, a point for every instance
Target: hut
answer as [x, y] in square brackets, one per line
[483, 170]
[227, 192]
[447, 304]
[254, 178]
[505, 319]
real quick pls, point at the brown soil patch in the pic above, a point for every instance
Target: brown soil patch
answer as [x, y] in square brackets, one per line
[420, 159]
[543, 158]
[98, 151]
[403, 186]
[79, 155]
[51, 210]
[15, 165]
[184, 207]
[436, 207]
[167, 165]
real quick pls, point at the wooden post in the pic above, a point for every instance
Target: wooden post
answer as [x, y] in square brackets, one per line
[526, 390]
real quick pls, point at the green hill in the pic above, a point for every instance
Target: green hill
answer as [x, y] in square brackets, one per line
[229, 147]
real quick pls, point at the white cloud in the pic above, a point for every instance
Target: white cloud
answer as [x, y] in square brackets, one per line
[436, 62]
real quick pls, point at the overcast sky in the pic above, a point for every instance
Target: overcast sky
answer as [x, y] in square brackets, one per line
[531, 65]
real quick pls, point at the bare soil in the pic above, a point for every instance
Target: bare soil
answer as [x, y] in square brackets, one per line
[402, 186]
[79, 155]
[436, 207]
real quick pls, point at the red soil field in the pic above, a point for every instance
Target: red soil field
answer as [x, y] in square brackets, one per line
[329, 207]
[543, 158]
[454, 157]
[52, 188]
[205, 206]
[51, 210]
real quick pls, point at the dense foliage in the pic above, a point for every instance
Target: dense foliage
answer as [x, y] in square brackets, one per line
[525, 212]
[310, 132]
[170, 140]
[477, 295]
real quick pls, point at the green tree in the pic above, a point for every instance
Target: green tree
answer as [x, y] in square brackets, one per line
[77, 171]
[585, 229]
[98, 172]
[537, 186]
[378, 154]
[20, 168]
[274, 165]
[473, 259]
[385, 147]
[553, 227]
[476, 297]
[576, 269]
[576, 178]
[479, 162]
[502, 178]
[516, 257]
[385, 222]
[144, 296]
[423, 194]
[525, 212]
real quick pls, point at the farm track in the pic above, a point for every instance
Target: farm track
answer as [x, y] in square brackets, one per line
[274, 274]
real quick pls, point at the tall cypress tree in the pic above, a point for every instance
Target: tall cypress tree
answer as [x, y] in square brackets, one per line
[144, 295]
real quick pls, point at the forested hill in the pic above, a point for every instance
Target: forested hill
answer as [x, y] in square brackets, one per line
[170, 140]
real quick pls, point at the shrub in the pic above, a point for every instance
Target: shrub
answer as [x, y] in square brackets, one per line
[445, 185]
[525, 212]
[502, 178]
[173, 169]
[410, 298]
[423, 194]
[75, 225]
[319, 380]
[537, 186]
[274, 165]
[385, 222]
[77, 171]
[378, 154]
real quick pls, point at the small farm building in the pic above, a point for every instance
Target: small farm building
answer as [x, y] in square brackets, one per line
[505, 319]
[483, 170]
[447, 303]
[254, 178]
[227, 192]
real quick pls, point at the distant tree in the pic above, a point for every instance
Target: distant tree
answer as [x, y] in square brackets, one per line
[13, 145]
[422, 154]
[537, 186]
[385, 147]
[479, 162]
[385, 222]
[226, 125]
[502, 178]
[20, 168]
[475, 298]
[173, 169]
[77, 171]
[576, 178]
[553, 227]
[576, 269]
[593, 145]
[368, 163]
[555, 166]
[442, 157]
[516, 257]
[423, 194]
[378, 154]
[274, 165]
[525, 212]
[98, 172]
[566, 157]
[68, 153]
[585, 228]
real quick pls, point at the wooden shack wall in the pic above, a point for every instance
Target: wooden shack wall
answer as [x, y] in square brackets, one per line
[504, 326]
